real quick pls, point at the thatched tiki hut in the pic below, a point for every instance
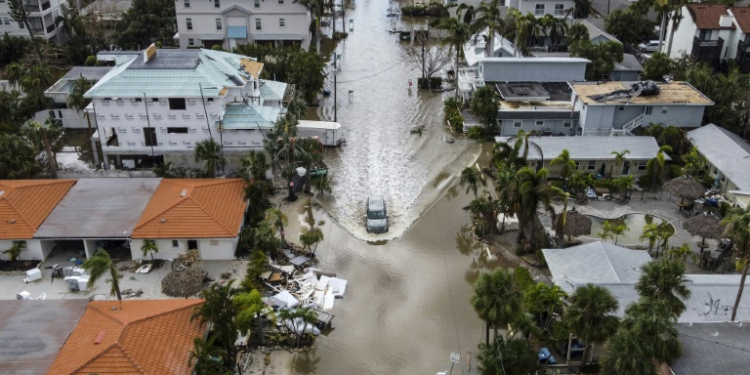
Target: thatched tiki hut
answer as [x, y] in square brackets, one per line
[575, 224]
[685, 187]
[704, 226]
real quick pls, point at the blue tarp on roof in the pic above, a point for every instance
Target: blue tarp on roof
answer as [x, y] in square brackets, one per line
[237, 32]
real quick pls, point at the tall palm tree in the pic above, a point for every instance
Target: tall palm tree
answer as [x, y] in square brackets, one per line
[527, 143]
[656, 165]
[77, 101]
[738, 229]
[543, 300]
[590, 315]
[203, 355]
[471, 179]
[209, 152]
[664, 280]
[46, 133]
[254, 166]
[17, 157]
[568, 164]
[98, 265]
[651, 232]
[149, 248]
[560, 227]
[507, 189]
[613, 229]
[491, 17]
[534, 192]
[458, 30]
[619, 159]
[277, 221]
[496, 300]
[312, 155]
[309, 238]
[219, 309]
[507, 357]
[250, 306]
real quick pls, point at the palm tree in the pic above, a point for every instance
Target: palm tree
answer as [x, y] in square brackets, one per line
[17, 157]
[219, 309]
[619, 159]
[250, 306]
[651, 232]
[46, 132]
[580, 181]
[656, 165]
[209, 153]
[507, 357]
[560, 227]
[458, 33]
[613, 229]
[149, 247]
[277, 221]
[490, 16]
[496, 300]
[99, 264]
[254, 166]
[534, 191]
[297, 320]
[507, 189]
[203, 355]
[664, 280]
[310, 239]
[568, 165]
[312, 155]
[543, 300]
[77, 101]
[738, 229]
[18, 14]
[471, 179]
[15, 250]
[590, 315]
[484, 212]
[527, 144]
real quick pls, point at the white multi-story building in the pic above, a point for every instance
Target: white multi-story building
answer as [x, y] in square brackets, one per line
[539, 8]
[232, 22]
[42, 14]
[162, 102]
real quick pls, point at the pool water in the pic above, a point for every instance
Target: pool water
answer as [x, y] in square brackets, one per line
[634, 222]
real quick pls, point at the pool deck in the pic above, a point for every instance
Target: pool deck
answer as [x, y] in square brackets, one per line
[665, 209]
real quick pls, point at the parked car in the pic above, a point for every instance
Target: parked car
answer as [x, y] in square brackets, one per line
[651, 46]
[376, 215]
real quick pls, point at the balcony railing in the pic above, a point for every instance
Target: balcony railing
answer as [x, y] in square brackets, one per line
[707, 50]
[35, 6]
[743, 56]
[469, 79]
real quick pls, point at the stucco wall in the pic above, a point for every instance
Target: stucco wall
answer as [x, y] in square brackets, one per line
[683, 36]
[508, 128]
[33, 250]
[210, 249]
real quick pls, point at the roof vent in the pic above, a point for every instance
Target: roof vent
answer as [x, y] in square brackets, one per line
[100, 337]
[183, 193]
[163, 220]
[12, 221]
[2, 192]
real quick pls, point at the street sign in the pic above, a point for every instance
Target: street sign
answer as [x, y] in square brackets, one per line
[455, 357]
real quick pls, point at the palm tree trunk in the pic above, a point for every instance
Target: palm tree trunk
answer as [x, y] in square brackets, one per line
[455, 73]
[662, 32]
[586, 353]
[308, 179]
[50, 156]
[260, 330]
[739, 292]
[487, 333]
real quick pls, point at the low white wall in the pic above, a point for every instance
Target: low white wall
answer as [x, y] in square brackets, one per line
[209, 248]
[33, 250]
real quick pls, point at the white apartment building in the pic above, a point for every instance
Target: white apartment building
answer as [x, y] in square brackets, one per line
[42, 14]
[232, 22]
[539, 8]
[162, 102]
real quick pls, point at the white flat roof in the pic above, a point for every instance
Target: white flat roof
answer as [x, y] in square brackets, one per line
[328, 125]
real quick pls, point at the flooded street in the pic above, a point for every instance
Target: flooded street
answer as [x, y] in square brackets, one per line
[377, 110]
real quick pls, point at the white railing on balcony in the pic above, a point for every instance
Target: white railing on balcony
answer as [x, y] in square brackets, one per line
[627, 128]
[469, 79]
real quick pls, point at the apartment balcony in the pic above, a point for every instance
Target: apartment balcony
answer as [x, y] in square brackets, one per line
[36, 6]
[707, 50]
[743, 56]
[469, 79]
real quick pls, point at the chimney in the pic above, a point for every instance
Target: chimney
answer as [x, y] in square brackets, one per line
[149, 53]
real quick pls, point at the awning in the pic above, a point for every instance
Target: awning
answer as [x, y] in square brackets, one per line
[214, 36]
[237, 32]
[279, 37]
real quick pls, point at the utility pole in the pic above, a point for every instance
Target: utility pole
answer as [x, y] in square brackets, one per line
[335, 65]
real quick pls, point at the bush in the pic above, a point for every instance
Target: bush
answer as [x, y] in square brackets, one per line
[90, 61]
[708, 181]
[457, 123]
[523, 277]
[675, 171]
[644, 181]
[724, 208]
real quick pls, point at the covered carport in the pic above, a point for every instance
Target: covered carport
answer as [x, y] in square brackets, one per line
[98, 211]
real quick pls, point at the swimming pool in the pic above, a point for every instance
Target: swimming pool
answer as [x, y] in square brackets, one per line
[635, 223]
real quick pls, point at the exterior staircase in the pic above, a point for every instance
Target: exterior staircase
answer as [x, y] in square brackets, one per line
[627, 128]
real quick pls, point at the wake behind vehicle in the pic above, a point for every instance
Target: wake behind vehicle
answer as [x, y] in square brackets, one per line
[376, 215]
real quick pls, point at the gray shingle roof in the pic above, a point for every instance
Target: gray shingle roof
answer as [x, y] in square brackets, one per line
[595, 148]
[629, 62]
[596, 262]
[711, 299]
[717, 348]
[726, 151]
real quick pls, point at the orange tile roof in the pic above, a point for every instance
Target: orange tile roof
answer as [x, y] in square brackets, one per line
[193, 208]
[25, 204]
[707, 16]
[152, 337]
[742, 15]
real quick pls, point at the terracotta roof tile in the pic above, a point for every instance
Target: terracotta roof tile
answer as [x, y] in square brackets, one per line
[742, 15]
[707, 16]
[152, 337]
[193, 208]
[25, 204]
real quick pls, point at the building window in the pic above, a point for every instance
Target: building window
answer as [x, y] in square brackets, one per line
[189, 22]
[567, 123]
[664, 109]
[156, 100]
[649, 110]
[281, 22]
[642, 166]
[171, 130]
[517, 123]
[6, 20]
[218, 24]
[21, 25]
[177, 103]
[257, 3]
[281, 1]
[578, 165]
[257, 24]
[175, 244]
[191, 42]
[187, 3]
[592, 165]
[559, 9]
[539, 9]
[217, 4]
[539, 122]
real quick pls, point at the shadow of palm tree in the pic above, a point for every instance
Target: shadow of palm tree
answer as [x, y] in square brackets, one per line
[306, 363]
